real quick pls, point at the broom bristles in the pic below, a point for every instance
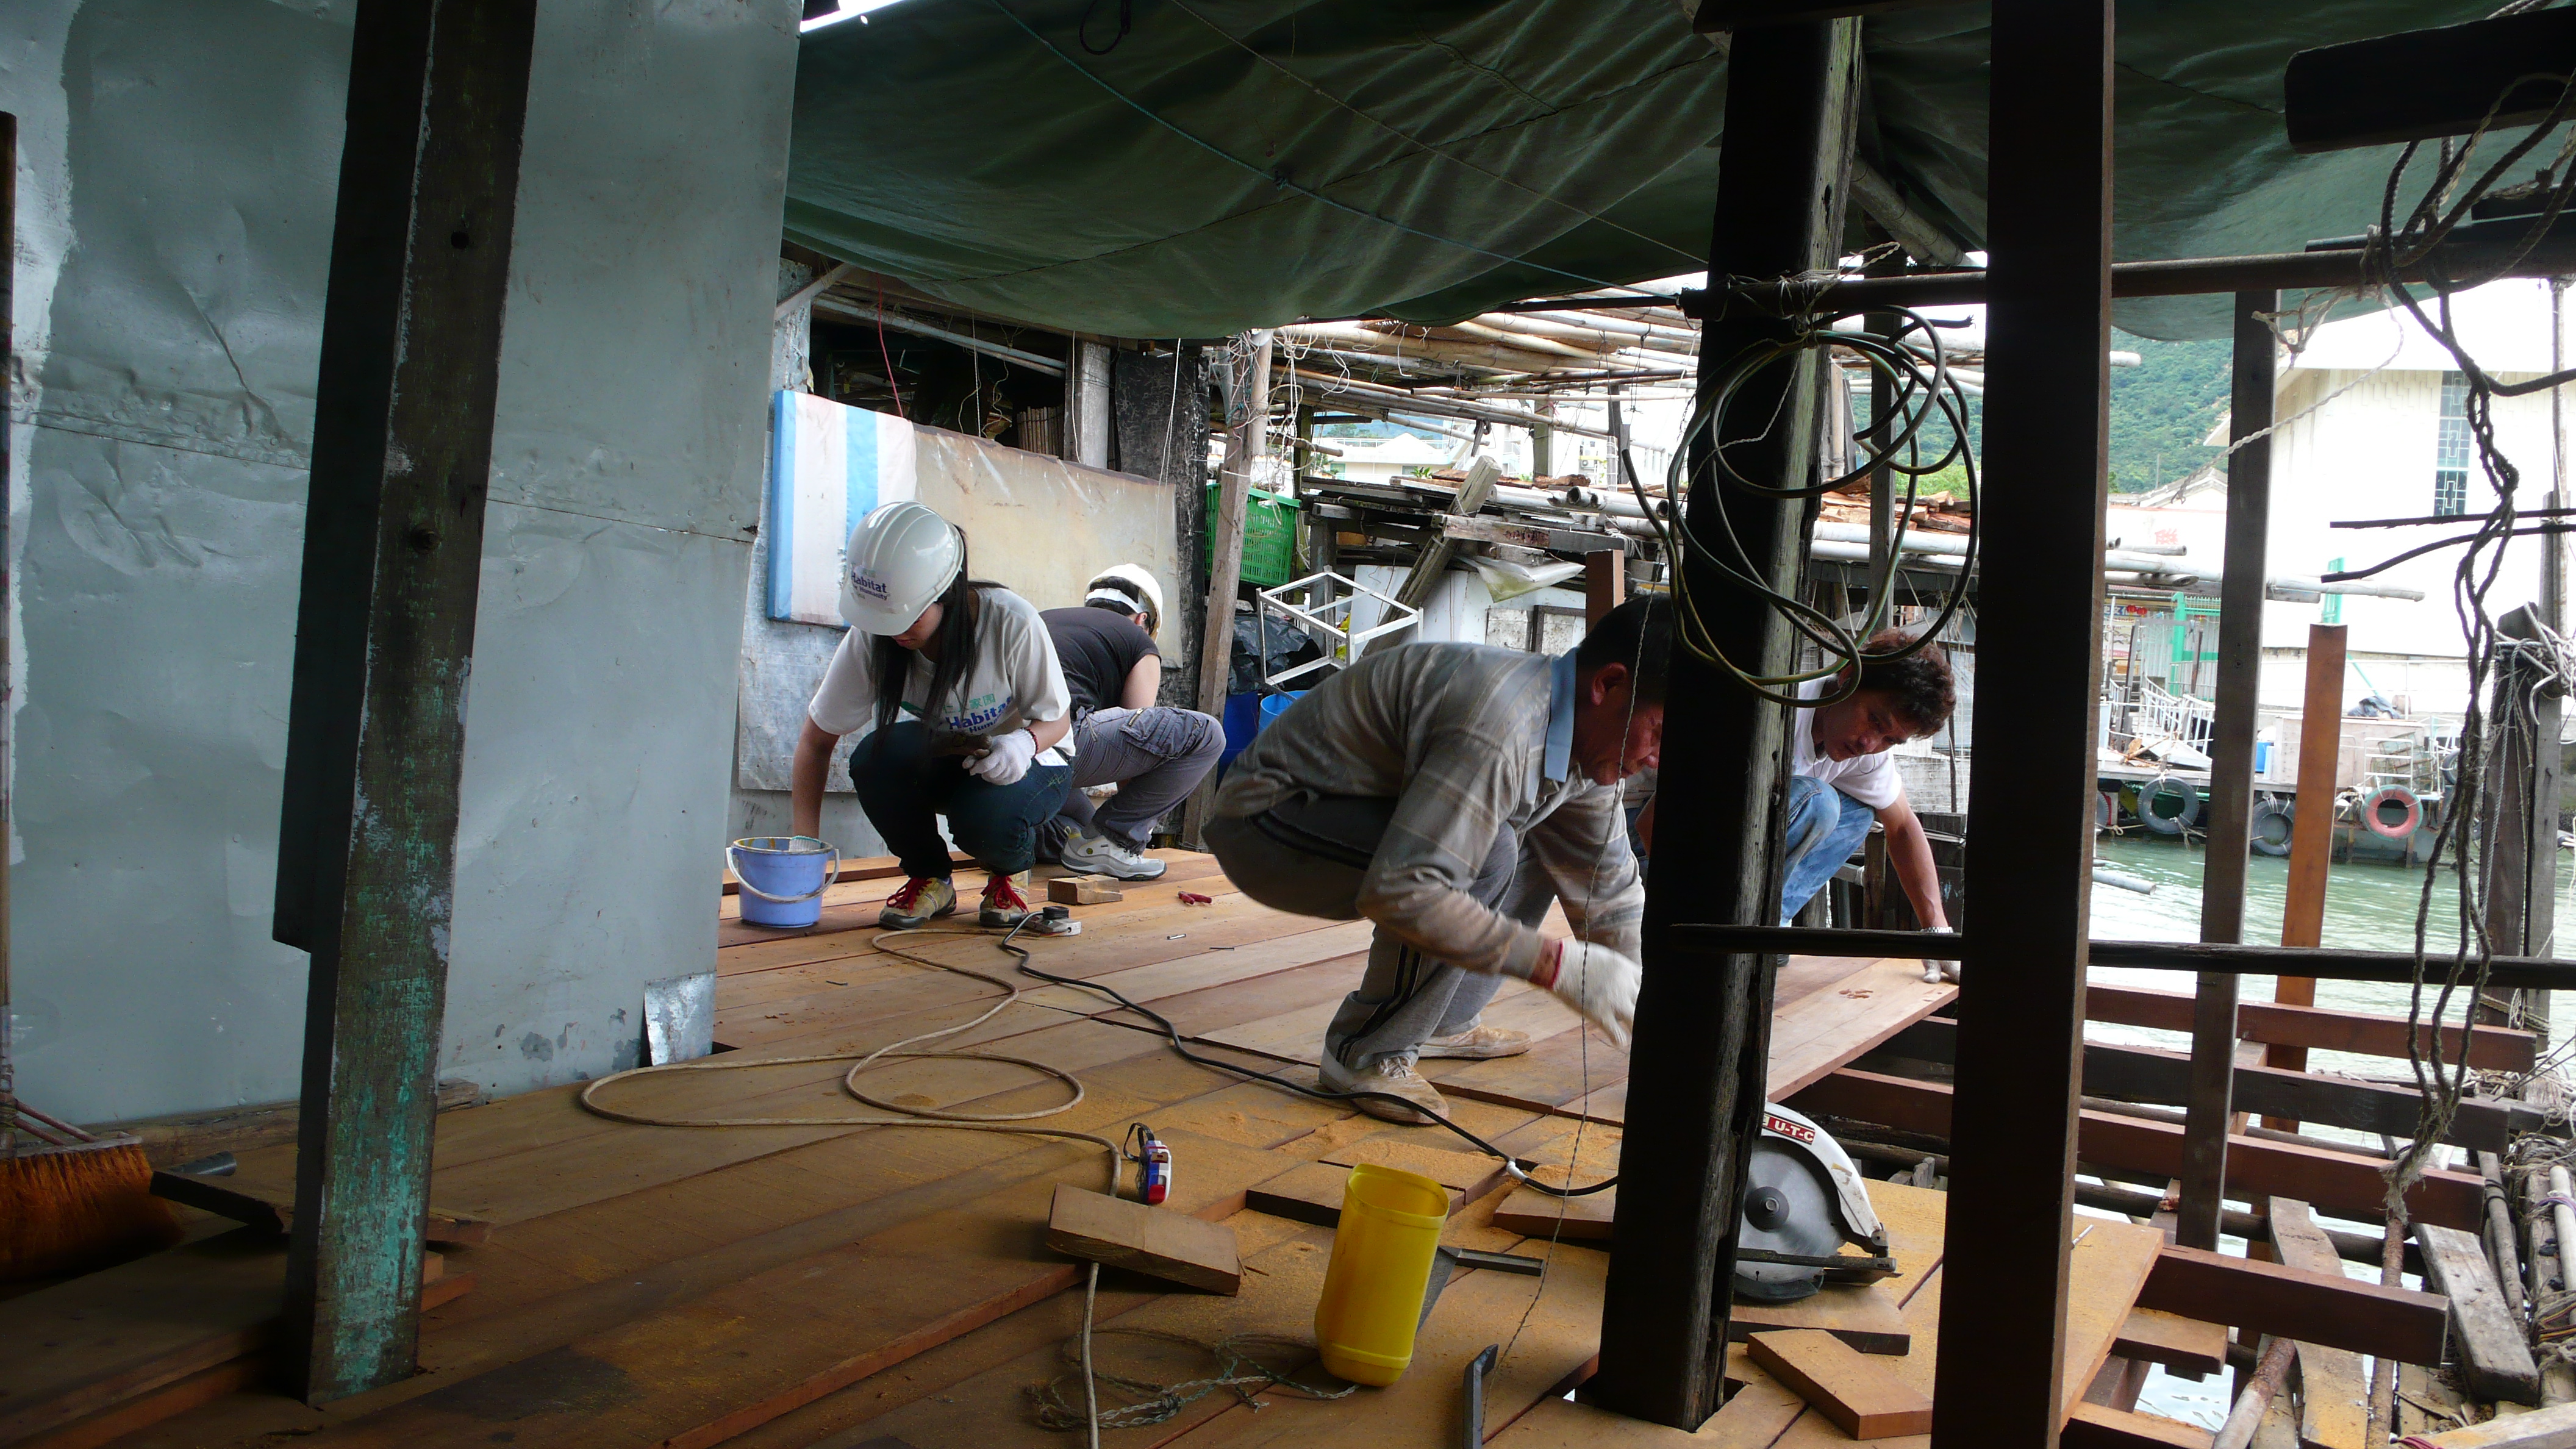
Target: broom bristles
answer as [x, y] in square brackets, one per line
[75, 1209]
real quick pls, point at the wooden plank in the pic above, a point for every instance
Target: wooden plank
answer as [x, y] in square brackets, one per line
[2334, 1387]
[2303, 909]
[1862, 1316]
[2290, 1303]
[95, 1341]
[2093, 1426]
[271, 1207]
[2414, 86]
[2493, 1353]
[1828, 1028]
[2489, 1048]
[2343, 1184]
[384, 642]
[1121, 1234]
[1467, 1175]
[1558, 1219]
[2187, 1345]
[1862, 1398]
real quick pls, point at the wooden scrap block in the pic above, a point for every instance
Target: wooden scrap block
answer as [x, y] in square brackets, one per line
[1310, 1192]
[1864, 1316]
[2550, 1428]
[1533, 1214]
[1084, 890]
[2185, 1345]
[1162, 1244]
[1864, 1398]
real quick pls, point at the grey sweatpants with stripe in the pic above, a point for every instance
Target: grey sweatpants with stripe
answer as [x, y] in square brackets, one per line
[1307, 857]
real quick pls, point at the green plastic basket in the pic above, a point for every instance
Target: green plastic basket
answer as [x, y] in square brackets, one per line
[1269, 537]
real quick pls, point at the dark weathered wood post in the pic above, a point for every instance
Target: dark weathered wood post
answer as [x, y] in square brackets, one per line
[2030, 800]
[393, 550]
[2522, 872]
[2231, 769]
[1703, 1027]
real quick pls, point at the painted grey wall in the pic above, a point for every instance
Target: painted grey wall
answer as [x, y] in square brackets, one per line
[182, 163]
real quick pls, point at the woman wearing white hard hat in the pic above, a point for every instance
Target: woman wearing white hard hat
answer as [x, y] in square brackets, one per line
[963, 702]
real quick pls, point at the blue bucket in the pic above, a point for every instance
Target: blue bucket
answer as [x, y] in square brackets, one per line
[783, 878]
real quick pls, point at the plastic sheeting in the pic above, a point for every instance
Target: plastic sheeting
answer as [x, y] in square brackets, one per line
[1467, 152]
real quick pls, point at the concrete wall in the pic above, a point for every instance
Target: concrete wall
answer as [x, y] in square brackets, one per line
[180, 175]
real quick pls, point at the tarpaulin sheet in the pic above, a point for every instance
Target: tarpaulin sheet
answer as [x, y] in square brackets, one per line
[1240, 163]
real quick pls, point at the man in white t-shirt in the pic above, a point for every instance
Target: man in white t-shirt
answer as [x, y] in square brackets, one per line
[1841, 778]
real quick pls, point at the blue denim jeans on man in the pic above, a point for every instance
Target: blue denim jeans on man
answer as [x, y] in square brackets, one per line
[1825, 827]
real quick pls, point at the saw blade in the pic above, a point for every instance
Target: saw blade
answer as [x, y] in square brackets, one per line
[1788, 1210]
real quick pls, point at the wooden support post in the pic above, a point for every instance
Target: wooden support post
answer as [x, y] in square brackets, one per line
[2303, 913]
[1248, 411]
[1605, 583]
[1698, 1062]
[8, 596]
[2231, 773]
[2031, 798]
[1543, 444]
[2522, 865]
[393, 552]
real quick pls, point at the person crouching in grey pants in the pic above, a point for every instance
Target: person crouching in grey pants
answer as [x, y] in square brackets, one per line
[1155, 757]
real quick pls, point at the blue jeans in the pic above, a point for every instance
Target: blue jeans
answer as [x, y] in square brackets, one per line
[905, 790]
[1825, 827]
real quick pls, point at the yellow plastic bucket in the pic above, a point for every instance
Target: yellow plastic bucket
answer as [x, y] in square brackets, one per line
[1373, 1288]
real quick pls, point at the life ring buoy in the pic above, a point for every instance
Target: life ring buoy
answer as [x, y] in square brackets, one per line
[2155, 793]
[2106, 810]
[2269, 828]
[2411, 812]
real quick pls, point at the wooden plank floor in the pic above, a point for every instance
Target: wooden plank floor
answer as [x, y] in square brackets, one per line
[837, 1283]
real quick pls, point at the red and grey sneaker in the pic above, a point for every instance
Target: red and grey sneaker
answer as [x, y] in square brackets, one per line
[922, 900]
[1004, 906]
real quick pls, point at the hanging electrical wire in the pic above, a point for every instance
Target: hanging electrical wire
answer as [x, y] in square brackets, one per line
[1914, 362]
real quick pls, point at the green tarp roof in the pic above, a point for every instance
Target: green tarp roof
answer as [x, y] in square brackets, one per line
[1240, 163]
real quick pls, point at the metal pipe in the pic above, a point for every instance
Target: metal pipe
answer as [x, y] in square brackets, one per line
[2255, 1399]
[2324, 963]
[835, 307]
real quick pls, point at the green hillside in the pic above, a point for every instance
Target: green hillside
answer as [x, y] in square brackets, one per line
[2162, 408]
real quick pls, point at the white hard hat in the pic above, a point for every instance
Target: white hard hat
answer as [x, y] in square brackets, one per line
[1129, 585]
[901, 558]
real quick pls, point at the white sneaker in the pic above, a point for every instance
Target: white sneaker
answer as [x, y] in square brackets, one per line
[1096, 854]
[1393, 1076]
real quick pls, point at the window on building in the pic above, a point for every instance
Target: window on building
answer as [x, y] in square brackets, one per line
[2451, 449]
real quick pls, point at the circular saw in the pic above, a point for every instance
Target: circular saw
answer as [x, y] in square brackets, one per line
[1803, 1200]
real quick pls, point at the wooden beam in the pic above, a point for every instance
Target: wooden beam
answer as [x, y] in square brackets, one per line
[2314, 1307]
[1527, 535]
[2094, 1426]
[1999, 1377]
[1433, 560]
[393, 552]
[2419, 84]
[1863, 1398]
[1243, 444]
[2231, 774]
[2303, 912]
[2145, 1074]
[2551, 1428]
[2341, 1183]
[1605, 584]
[2522, 874]
[1699, 1058]
[2493, 1354]
[2489, 1048]
[2333, 1389]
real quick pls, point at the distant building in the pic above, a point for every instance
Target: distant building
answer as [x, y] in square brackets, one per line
[2373, 426]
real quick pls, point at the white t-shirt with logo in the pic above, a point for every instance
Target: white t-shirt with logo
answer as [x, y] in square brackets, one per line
[1012, 680]
[1870, 779]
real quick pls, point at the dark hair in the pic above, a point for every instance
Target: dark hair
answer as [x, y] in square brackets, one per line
[1921, 682]
[1128, 609]
[962, 609]
[1638, 634]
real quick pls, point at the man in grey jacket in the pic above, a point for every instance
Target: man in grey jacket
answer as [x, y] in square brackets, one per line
[1451, 793]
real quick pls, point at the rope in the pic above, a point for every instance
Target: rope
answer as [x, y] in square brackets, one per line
[1149, 1402]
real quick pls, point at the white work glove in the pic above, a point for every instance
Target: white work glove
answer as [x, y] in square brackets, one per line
[1594, 980]
[1006, 759]
[1935, 969]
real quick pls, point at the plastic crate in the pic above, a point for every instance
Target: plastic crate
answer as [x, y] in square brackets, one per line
[1269, 537]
